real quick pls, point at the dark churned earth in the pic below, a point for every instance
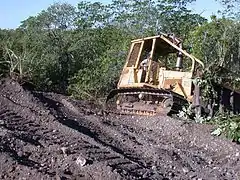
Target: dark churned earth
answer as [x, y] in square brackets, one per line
[51, 136]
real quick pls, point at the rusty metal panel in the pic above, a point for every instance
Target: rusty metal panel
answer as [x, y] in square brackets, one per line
[134, 54]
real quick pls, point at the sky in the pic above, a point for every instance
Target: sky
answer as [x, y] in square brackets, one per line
[12, 12]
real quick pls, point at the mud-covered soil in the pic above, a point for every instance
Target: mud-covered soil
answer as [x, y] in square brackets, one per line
[50, 136]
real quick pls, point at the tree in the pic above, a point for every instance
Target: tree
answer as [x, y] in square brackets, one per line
[49, 35]
[218, 42]
[231, 8]
[141, 18]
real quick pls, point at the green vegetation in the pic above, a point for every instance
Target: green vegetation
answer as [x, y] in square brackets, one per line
[80, 50]
[229, 125]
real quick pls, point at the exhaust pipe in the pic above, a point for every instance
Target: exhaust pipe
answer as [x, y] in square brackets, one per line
[179, 63]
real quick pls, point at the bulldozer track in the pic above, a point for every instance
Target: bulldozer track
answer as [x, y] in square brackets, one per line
[177, 100]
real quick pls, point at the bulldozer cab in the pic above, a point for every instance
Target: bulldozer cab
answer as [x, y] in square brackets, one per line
[159, 62]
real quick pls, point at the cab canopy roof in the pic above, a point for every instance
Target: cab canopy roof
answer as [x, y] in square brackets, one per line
[166, 44]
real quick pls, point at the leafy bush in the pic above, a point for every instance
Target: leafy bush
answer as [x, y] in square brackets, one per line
[228, 125]
[98, 79]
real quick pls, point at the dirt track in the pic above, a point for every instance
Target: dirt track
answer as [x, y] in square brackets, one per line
[50, 136]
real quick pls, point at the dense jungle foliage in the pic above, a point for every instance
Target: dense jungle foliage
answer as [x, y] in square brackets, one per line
[80, 50]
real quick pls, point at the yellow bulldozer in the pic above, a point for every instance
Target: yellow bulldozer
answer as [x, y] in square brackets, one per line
[157, 78]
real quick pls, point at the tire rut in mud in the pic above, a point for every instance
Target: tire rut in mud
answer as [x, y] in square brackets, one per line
[126, 165]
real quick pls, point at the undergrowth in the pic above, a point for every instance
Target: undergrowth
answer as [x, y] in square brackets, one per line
[228, 125]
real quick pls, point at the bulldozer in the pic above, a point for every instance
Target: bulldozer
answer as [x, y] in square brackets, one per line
[157, 78]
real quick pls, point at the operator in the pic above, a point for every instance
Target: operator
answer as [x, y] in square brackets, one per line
[152, 71]
[144, 63]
